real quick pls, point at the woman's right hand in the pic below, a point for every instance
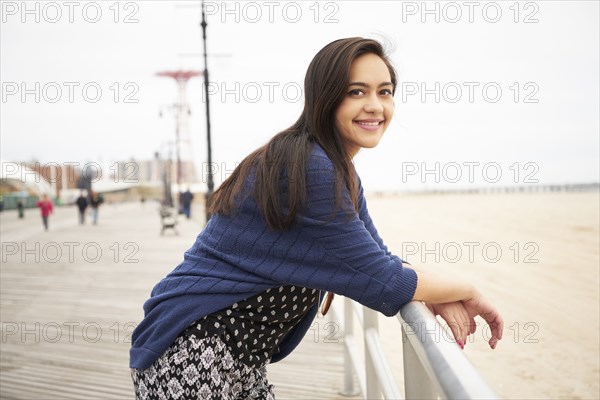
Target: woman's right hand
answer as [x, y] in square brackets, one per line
[478, 305]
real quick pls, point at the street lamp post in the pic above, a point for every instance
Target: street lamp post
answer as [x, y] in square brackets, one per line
[209, 178]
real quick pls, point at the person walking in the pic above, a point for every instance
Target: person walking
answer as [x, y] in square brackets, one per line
[82, 204]
[46, 208]
[20, 209]
[287, 226]
[186, 202]
[95, 201]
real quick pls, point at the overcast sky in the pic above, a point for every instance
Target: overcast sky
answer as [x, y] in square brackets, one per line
[517, 83]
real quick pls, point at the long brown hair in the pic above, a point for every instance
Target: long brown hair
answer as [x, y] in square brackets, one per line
[286, 154]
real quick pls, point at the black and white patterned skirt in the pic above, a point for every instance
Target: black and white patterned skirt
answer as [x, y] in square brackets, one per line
[195, 368]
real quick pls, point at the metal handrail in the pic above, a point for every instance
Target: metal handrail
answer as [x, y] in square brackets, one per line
[451, 374]
[433, 368]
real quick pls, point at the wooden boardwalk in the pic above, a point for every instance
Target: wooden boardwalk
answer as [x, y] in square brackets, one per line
[71, 297]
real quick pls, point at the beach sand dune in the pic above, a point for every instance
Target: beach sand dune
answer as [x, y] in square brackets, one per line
[536, 256]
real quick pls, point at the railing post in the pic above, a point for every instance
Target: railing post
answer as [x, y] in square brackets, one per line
[370, 323]
[417, 383]
[348, 389]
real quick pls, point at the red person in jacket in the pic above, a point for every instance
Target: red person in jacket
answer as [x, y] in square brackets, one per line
[46, 209]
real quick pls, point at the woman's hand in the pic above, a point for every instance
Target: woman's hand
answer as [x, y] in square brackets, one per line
[480, 306]
[445, 296]
[457, 318]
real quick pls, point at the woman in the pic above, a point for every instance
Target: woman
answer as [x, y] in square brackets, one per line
[290, 223]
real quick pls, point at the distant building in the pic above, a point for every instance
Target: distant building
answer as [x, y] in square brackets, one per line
[151, 171]
[37, 178]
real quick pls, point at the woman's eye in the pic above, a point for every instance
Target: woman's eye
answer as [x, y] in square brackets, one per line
[386, 92]
[356, 92]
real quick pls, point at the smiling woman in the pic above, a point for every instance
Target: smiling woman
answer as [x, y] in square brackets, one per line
[365, 113]
[289, 224]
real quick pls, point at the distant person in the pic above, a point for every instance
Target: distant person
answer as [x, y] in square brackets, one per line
[46, 209]
[95, 201]
[290, 224]
[82, 204]
[21, 209]
[186, 202]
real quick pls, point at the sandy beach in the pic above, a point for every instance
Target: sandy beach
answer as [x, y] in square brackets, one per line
[536, 256]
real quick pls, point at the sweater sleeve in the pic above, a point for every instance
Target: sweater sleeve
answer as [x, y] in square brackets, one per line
[366, 218]
[355, 262]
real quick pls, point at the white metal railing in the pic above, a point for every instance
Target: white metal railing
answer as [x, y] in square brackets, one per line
[433, 368]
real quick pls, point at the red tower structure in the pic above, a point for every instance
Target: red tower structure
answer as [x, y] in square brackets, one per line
[182, 110]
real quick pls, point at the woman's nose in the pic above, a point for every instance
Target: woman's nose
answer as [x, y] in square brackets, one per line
[374, 106]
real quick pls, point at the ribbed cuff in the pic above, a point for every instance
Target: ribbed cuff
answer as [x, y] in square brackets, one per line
[402, 292]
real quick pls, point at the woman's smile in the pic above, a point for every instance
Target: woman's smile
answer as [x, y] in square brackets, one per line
[369, 124]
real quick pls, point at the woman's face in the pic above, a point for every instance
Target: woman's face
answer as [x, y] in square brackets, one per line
[366, 111]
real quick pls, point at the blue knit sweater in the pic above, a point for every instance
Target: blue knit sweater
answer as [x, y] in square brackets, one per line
[238, 256]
